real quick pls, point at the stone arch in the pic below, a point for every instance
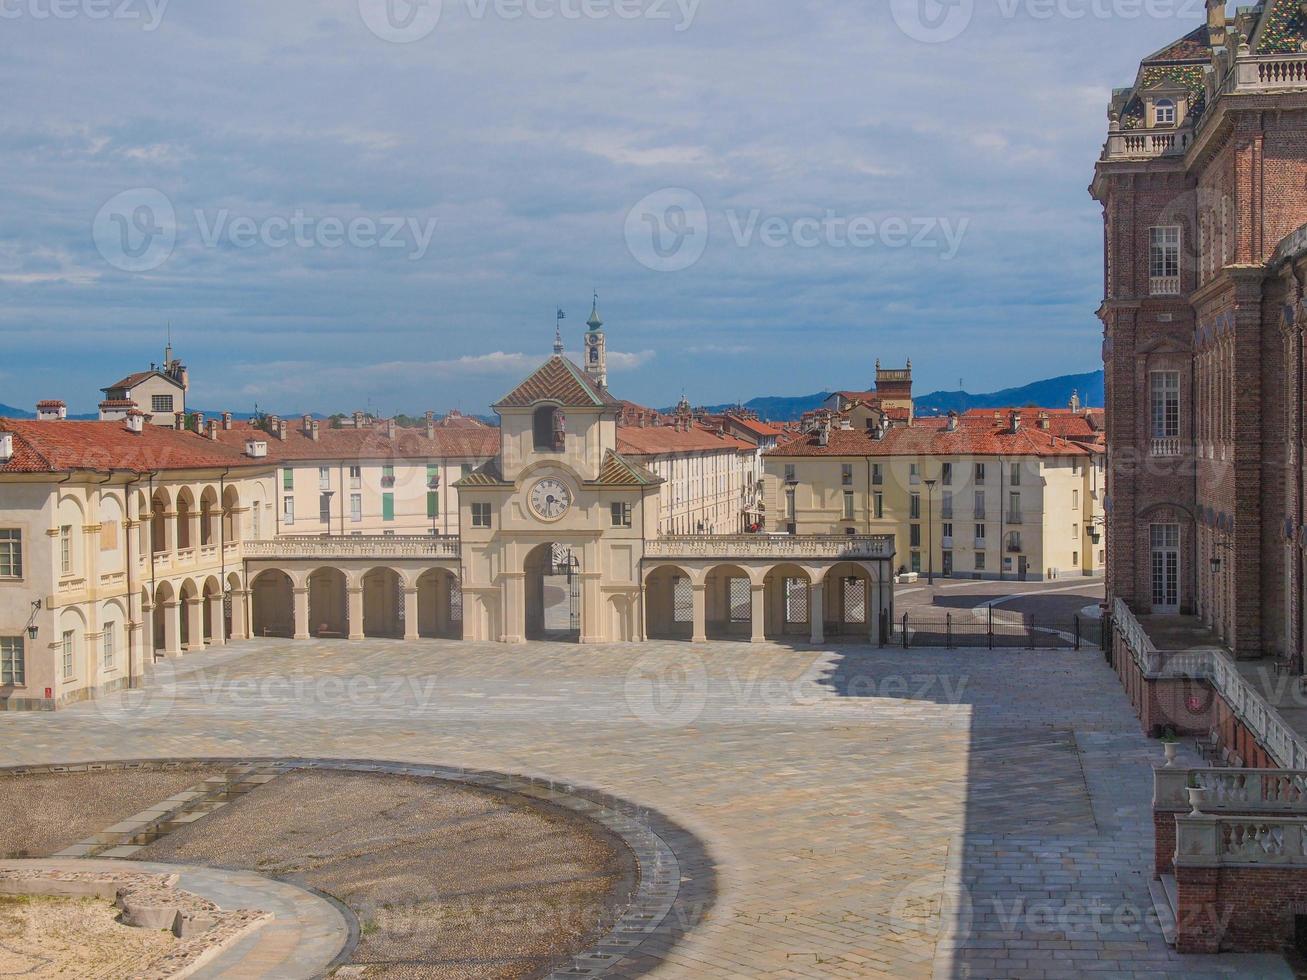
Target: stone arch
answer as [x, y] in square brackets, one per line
[186, 513]
[234, 614]
[272, 594]
[231, 503]
[163, 619]
[553, 592]
[548, 427]
[72, 641]
[787, 600]
[668, 603]
[114, 620]
[210, 514]
[70, 514]
[212, 621]
[328, 602]
[852, 597]
[192, 629]
[383, 603]
[728, 602]
[160, 507]
[440, 604]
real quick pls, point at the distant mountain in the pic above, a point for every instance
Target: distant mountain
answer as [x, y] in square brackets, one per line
[1051, 393]
[777, 408]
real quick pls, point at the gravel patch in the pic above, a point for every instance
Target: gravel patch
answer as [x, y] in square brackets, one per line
[68, 937]
[44, 813]
[447, 881]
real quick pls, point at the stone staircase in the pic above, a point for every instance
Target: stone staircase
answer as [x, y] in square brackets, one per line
[125, 838]
[1165, 902]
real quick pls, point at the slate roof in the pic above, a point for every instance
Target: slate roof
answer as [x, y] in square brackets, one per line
[558, 380]
[60, 446]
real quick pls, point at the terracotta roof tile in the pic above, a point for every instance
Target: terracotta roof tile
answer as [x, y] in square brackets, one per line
[52, 447]
[558, 380]
[931, 438]
[653, 440]
[371, 442]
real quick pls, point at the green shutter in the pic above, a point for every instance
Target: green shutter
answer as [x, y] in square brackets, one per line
[433, 503]
[387, 506]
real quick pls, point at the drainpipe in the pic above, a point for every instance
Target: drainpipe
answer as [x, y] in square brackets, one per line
[131, 575]
[1002, 523]
[222, 539]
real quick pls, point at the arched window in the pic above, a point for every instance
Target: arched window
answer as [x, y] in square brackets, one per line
[1164, 112]
[546, 428]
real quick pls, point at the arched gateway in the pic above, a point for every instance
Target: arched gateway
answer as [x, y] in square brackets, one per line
[558, 540]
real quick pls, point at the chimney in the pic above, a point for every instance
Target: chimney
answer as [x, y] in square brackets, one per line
[1014, 420]
[313, 431]
[256, 448]
[358, 420]
[226, 421]
[1042, 421]
[390, 428]
[823, 432]
[6, 446]
[213, 429]
[274, 426]
[952, 421]
[135, 421]
[283, 427]
[1216, 22]
[431, 425]
[51, 410]
[307, 421]
[199, 421]
[179, 421]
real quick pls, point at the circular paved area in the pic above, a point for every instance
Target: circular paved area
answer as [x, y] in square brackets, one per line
[864, 812]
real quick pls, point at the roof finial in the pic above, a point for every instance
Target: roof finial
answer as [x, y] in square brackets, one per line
[167, 350]
[558, 331]
[594, 323]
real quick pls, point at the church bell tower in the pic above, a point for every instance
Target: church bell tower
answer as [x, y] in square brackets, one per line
[596, 355]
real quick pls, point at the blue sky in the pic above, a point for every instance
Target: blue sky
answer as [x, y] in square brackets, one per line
[825, 189]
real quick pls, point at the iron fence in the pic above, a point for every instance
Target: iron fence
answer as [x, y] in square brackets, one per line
[990, 628]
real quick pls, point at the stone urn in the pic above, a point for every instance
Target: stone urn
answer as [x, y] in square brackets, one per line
[1169, 749]
[1197, 797]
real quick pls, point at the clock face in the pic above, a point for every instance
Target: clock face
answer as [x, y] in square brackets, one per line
[550, 499]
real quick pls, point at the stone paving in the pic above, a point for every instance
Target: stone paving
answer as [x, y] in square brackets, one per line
[866, 812]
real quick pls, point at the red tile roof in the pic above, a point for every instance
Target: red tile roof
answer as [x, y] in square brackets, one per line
[370, 442]
[132, 380]
[56, 447]
[654, 440]
[557, 380]
[930, 437]
[760, 429]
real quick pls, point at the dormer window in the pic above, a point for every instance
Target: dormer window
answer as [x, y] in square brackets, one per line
[1164, 112]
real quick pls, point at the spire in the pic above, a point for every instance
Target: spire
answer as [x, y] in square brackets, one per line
[594, 323]
[558, 340]
[167, 350]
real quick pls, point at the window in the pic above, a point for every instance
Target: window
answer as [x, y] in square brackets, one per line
[1014, 508]
[789, 473]
[914, 535]
[66, 550]
[547, 428]
[946, 504]
[11, 553]
[980, 473]
[356, 478]
[12, 662]
[256, 519]
[1165, 388]
[879, 499]
[465, 469]
[914, 507]
[980, 561]
[433, 476]
[621, 514]
[433, 504]
[980, 535]
[1075, 499]
[1075, 558]
[946, 474]
[107, 655]
[288, 511]
[480, 515]
[324, 508]
[1015, 477]
[387, 506]
[877, 476]
[947, 531]
[848, 505]
[356, 507]
[288, 479]
[1164, 252]
[980, 503]
[914, 473]
[846, 474]
[789, 504]
[388, 475]
[1164, 112]
[916, 561]
[67, 651]
[161, 403]
[1075, 532]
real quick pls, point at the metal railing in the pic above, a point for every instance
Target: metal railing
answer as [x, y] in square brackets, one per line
[991, 628]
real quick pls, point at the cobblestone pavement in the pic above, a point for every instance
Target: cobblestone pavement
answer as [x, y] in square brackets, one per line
[869, 813]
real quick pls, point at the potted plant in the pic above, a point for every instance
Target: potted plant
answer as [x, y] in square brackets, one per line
[1197, 795]
[1170, 746]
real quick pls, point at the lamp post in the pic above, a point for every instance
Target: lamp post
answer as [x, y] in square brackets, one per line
[930, 532]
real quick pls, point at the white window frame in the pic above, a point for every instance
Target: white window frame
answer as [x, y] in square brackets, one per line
[68, 654]
[108, 655]
[11, 553]
[13, 661]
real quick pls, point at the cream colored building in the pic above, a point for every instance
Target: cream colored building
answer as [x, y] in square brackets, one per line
[160, 393]
[971, 497]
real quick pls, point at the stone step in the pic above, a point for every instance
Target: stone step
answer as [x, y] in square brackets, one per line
[1165, 900]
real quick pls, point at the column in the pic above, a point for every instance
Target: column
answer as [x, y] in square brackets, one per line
[758, 613]
[355, 611]
[216, 619]
[238, 601]
[194, 623]
[301, 630]
[410, 613]
[172, 629]
[513, 607]
[169, 532]
[700, 613]
[816, 612]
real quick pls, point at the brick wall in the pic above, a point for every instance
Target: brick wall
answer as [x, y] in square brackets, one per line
[1238, 909]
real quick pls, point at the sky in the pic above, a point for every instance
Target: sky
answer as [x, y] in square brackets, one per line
[348, 204]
